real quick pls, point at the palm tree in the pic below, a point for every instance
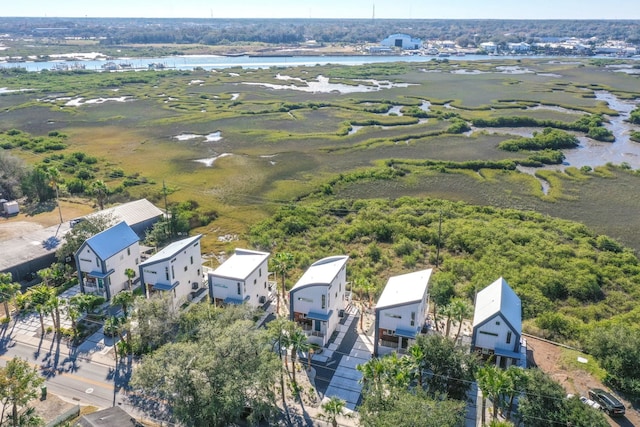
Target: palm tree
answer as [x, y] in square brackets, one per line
[415, 363]
[46, 274]
[73, 312]
[38, 298]
[100, 190]
[125, 299]
[8, 291]
[460, 310]
[516, 382]
[282, 262]
[53, 307]
[493, 382]
[447, 310]
[298, 342]
[332, 409]
[130, 273]
[372, 372]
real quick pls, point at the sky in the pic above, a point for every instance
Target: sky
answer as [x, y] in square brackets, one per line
[384, 9]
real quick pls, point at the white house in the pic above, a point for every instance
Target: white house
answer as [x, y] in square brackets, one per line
[176, 269]
[319, 298]
[489, 47]
[497, 324]
[402, 41]
[103, 259]
[401, 311]
[244, 277]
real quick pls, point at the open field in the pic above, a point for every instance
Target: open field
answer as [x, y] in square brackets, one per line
[281, 143]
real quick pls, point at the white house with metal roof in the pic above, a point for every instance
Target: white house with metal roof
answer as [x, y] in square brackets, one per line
[243, 278]
[402, 41]
[401, 311]
[497, 324]
[176, 269]
[103, 259]
[319, 297]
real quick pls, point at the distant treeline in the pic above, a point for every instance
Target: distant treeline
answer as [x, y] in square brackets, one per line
[226, 31]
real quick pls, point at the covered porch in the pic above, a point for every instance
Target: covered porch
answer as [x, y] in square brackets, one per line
[96, 282]
[314, 325]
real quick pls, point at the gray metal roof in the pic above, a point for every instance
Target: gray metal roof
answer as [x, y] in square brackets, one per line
[496, 298]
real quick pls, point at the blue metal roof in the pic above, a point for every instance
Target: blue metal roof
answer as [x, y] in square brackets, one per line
[165, 286]
[507, 353]
[319, 316]
[406, 333]
[232, 300]
[112, 240]
[100, 274]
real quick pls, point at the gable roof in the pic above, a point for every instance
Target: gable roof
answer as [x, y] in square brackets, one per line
[132, 212]
[496, 298]
[322, 271]
[171, 250]
[112, 240]
[241, 264]
[404, 289]
[110, 417]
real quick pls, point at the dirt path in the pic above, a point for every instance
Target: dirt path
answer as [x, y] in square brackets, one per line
[548, 357]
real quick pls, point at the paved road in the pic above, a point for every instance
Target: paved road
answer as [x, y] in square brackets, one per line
[70, 376]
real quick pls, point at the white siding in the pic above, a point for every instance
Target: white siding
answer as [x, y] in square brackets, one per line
[494, 332]
[400, 317]
[187, 269]
[87, 261]
[127, 258]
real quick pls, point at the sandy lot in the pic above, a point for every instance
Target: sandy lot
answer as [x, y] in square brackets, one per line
[33, 218]
[548, 358]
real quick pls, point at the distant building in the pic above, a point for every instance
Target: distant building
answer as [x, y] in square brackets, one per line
[102, 260]
[519, 47]
[243, 278]
[497, 325]
[401, 311]
[402, 41]
[489, 47]
[176, 269]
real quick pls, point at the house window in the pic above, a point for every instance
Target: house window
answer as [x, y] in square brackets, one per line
[198, 272]
[239, 290]
[185, 268]
[509, 337]
[260, 272]
[493, 334]
[136, 261]
[128, 251]
[324, 301]
[498, 323]
[255, 281]
[191, 259]
[173, 273]
[166, 273]
[97, 261]
[413, 318]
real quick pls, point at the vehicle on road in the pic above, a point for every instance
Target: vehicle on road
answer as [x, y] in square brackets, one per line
[609, 404]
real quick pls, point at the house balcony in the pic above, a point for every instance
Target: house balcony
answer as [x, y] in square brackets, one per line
[91, 287]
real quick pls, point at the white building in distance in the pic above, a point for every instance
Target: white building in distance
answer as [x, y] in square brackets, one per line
[402, 41]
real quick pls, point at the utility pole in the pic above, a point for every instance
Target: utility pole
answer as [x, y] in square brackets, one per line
[439, 238]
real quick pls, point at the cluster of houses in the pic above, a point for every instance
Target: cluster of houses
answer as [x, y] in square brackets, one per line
[570, 45]
[115, 260]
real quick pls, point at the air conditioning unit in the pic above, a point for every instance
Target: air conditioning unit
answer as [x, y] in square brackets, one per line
[262, 299]
[304, 315]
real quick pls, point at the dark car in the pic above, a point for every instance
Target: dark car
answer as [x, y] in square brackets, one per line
[609, 404]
